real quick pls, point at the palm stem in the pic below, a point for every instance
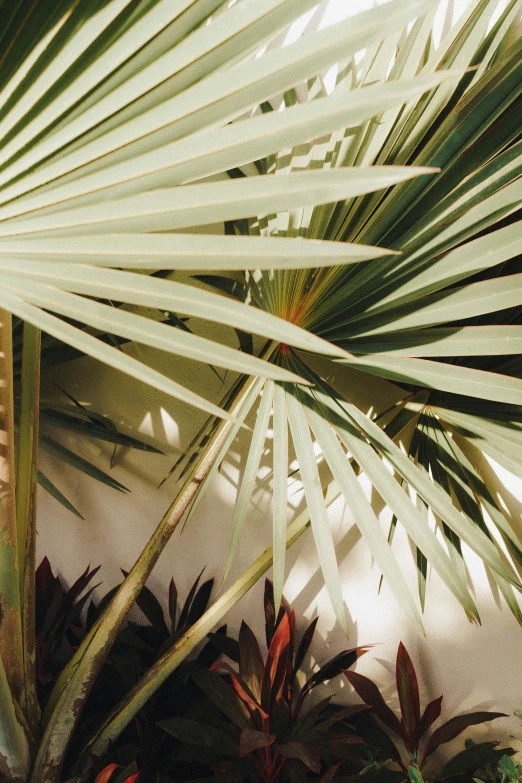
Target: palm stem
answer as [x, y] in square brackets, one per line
[26, 493]
[11, 650]
[170, 660]
[14, 746]
[76, 680]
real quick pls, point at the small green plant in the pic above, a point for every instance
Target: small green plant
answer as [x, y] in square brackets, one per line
[509, 769]
[506, 771]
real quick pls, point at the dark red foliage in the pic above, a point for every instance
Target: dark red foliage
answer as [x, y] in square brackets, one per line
[412, 727]
[59, 628]
[264, 703]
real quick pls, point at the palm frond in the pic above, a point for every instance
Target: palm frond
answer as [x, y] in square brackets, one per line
[114, 112]
[441, 320]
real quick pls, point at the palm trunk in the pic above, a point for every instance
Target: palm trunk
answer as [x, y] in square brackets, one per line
[13, 742]
[26, 492]
[170, 660]
[10, 576]
[14, 746]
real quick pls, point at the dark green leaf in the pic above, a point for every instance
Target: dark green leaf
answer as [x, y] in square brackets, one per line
[473, 758]
[226, 645]
[151, 608]
[429, 716]
[455, 726]
[297, 750]
[222, 695]
[252, 740]
[304, 646]
[371, 696]
[48, 485]
[203, 735]
[336, 666]
[251, 665]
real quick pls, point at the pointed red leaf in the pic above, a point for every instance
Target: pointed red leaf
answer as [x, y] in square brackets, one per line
[455, 726]
[222, 695]
[371, 696]
[132, 778]
[129, 774]
[291, 642]
[241, 688]
[430, 715]
[200, 602]
[408, 690]
[276, 666]
[106, 773]
[323, 726]
[81, 583]
[346, 739]
[182, 622]
[151, 608]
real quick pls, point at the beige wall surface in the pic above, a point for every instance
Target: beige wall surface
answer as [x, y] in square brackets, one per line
[475, 667]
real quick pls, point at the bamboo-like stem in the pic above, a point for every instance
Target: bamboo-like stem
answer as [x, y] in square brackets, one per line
[11, 649]
[26, 492]
[170, 660]
[14, 746]
[78, 677]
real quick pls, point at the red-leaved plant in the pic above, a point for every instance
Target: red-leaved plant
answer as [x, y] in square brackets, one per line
[267, 728]
[106, 774]
[413, 726]
[59, 627]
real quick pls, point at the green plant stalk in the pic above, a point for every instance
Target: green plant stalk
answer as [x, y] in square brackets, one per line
[26, 494]
[11, 650]
[14, 746]
[75, 682]
[170, 660]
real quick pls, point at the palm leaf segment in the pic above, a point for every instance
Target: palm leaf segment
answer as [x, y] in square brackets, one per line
[442, 320]
[108, 112]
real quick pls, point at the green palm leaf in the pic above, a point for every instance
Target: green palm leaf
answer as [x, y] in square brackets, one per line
[437, 320]
[108, 117]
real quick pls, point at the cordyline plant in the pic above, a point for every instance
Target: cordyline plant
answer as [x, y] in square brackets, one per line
[64, 615]
[110, 111]
[413, 726]
[266, 728]
[108, 774]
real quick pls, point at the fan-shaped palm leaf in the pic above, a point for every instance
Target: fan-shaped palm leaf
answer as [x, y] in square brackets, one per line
[102, 126]
[439, 320]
